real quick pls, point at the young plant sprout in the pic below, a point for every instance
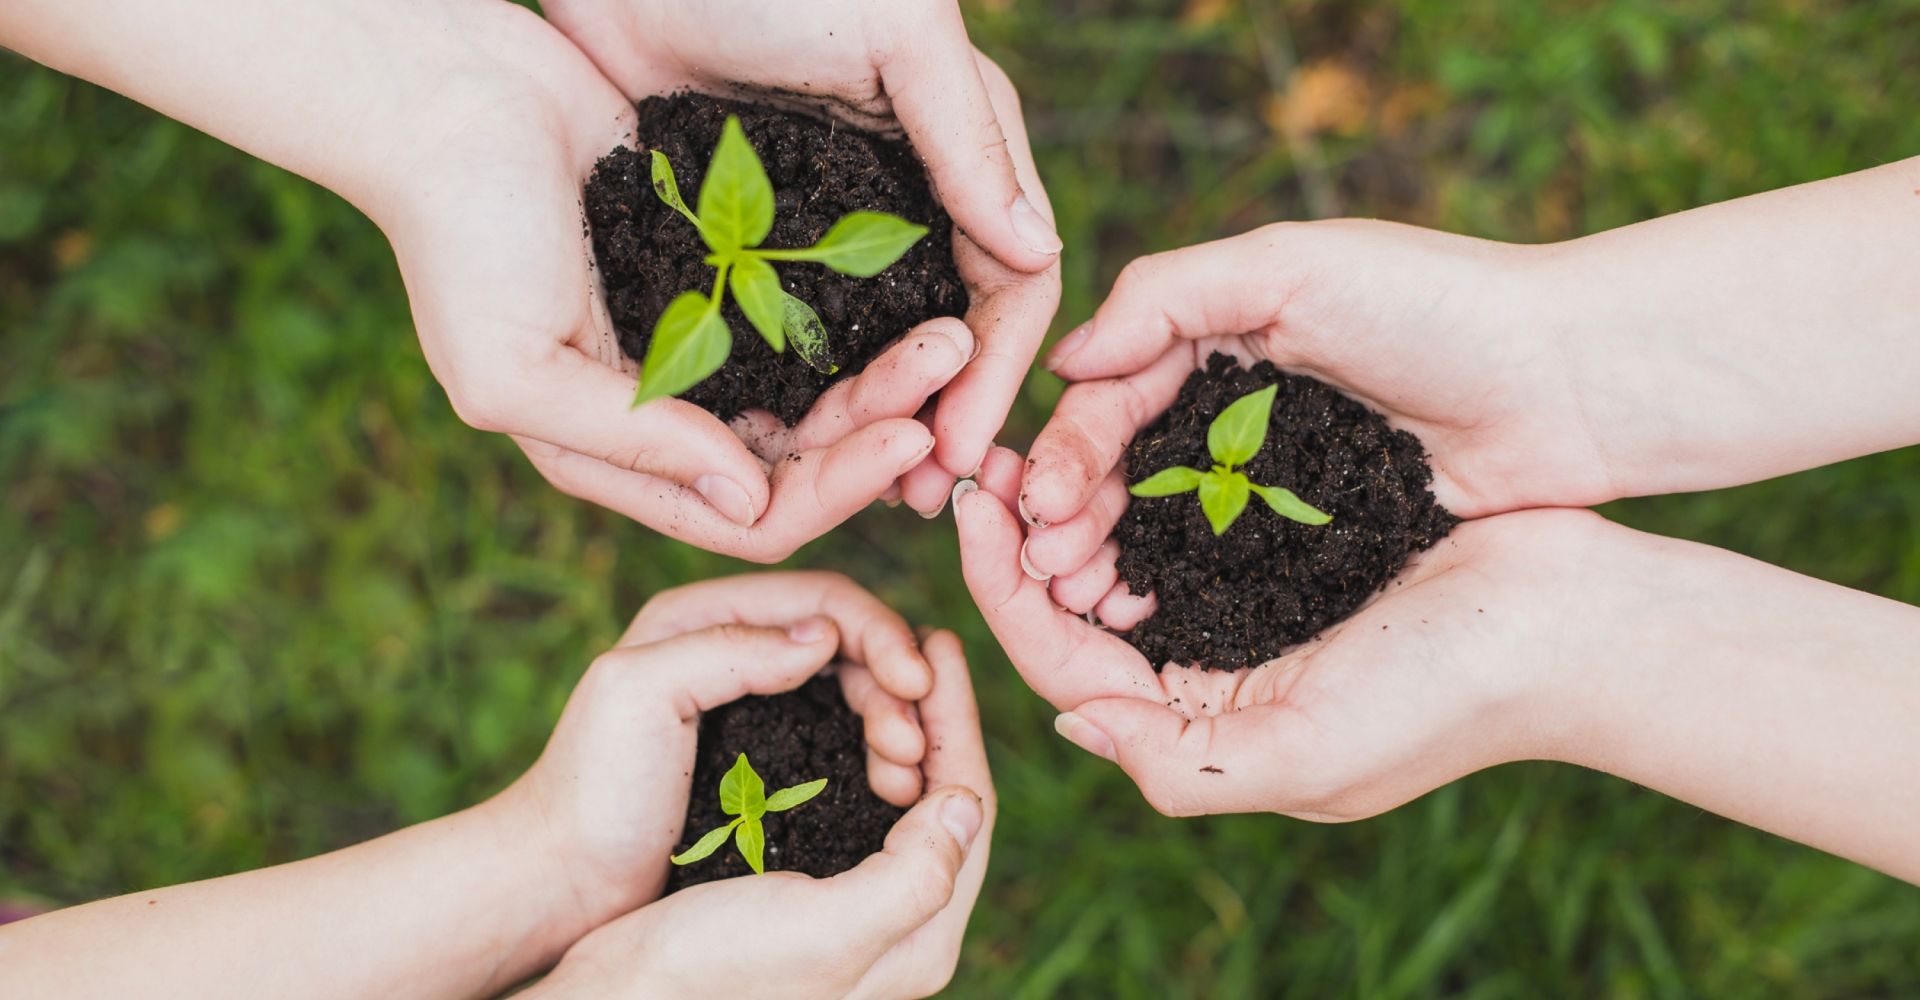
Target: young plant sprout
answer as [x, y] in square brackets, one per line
[744, 797]
[1234, 437]
[690, 340]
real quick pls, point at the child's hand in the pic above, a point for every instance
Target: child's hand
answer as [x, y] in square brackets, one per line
[608, 796]
[878, 64]
[1438, 332]
[1440, 676]
[891, 927]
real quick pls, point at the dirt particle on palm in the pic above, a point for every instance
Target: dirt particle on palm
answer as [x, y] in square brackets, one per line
[821, 171]
[1269, 583]
[799, 736]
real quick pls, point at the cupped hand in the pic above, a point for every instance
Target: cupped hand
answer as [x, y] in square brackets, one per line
[882, 66]
[1442, 674]
[890, 927]
[610, 792]
[1437, 332]
[482, 205]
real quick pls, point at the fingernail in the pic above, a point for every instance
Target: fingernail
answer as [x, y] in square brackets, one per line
[727, 497]
[1082, 734]
[1032, 229]
[1032, 522]
[961, 816]
[960, 489]
[929, 515]
[1026, 565]
[1068, 344]
[809, 630]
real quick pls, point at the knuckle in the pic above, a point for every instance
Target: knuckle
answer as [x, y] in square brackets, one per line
[932, 887]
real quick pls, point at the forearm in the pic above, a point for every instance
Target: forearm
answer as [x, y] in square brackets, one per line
[1747, 339]
[336, 92]
[459, 907]
[1774, 699]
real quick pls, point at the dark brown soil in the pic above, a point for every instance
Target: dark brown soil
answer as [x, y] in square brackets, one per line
[1269, 583]
[792, 738]
[648, 253]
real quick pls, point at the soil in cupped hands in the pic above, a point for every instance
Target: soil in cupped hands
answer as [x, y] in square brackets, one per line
[648, 253]
[1242, 598]
[790, 738]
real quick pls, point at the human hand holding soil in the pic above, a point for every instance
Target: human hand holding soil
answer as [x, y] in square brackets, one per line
[1773, 699]
[613, 784]
[889, 927]
[1426, 683]
[880, 67]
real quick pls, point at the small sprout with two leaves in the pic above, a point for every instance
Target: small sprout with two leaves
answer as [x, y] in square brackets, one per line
[1234, 438]
[691, 341]
[744, 797]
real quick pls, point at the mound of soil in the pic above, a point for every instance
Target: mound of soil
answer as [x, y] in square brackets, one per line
[1241, 598]
[648, 253]
[791, 738]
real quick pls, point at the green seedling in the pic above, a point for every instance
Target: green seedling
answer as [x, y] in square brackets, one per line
[691, 340]
[1234, 437]
[744, 797]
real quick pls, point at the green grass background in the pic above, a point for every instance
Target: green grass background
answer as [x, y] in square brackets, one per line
[261, 595]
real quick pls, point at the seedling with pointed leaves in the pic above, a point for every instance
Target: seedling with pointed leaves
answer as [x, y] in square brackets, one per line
[1234, 437]
[744, 797]
[691, 340]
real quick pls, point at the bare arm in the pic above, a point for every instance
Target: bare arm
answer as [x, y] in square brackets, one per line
[458, 907]
[1747, 339]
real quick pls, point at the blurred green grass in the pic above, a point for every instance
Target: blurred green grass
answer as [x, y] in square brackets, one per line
[261, 595]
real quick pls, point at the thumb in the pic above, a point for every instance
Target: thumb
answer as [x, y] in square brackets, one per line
[942, 99]
[702, 670]
[891, 894]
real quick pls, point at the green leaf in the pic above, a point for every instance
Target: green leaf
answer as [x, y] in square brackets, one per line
[787, 798]
[861, 244]
[1168, 482]
[742, 793]
[668, 188]
[1240, 429]
[705, 845]
[757, 288]
[751, 839]
[806, 333]
[1285, 504]
[689, 343]
[736, 199]
[1223, 495]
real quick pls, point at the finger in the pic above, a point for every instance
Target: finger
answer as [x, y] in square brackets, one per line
[705, 669]
[950, 717]
[582, 406]
[1088, 434]
[1065, 546]
[893, 893]
[1190, 767]
[1221, 288]
[941, 98]
[956, 756]
[926, 488]
[1064, 659]
[892, 729]
[1081, 590]
[1000, 474]
[1010, 311]
[895, 384]
[1122, 611]
[811, 492]
[872, 634]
